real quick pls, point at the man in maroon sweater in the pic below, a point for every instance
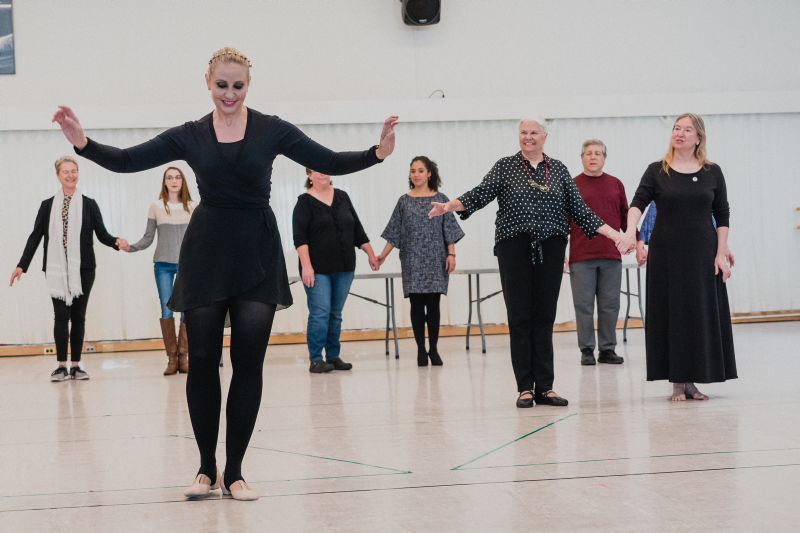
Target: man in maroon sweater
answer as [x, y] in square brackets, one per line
[595, 266]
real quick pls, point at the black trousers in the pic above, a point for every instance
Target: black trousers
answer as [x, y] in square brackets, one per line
[76, 314]
[531, 294]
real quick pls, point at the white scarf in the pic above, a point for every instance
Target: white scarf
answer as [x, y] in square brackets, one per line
[63, 273]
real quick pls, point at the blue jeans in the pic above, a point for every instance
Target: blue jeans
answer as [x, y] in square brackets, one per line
[165, 278]
[325, 302]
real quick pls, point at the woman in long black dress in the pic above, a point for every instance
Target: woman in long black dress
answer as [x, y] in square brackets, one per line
[231, 259]
[688, 333]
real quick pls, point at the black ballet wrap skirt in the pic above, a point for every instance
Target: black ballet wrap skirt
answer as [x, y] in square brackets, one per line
[231, 252]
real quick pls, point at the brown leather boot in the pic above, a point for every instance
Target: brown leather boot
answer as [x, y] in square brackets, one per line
[183, 349]
[170, 345]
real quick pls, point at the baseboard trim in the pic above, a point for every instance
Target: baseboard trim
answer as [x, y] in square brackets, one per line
[141, 345]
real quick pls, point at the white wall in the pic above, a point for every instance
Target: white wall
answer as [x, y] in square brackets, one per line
[140, 63]
[336, 68]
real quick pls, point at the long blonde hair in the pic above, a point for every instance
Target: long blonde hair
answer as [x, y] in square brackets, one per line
[185, 196]
[699, 149]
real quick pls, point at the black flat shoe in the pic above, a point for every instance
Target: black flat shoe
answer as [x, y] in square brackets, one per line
[435, 359]
[527, 401]
[610, 357]
[320, 367]
[422, 358]
[555, 400]
[338, 364]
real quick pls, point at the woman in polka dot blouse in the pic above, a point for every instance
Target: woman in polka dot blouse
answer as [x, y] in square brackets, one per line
[536, 197]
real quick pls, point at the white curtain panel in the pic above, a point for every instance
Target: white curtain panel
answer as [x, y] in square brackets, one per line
[756, 153]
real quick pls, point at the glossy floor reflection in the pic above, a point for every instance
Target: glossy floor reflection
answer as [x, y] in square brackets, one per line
[389, 446]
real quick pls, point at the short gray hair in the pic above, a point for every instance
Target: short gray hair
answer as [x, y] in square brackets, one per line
[64, 159]
[537, 120]
[593, 142]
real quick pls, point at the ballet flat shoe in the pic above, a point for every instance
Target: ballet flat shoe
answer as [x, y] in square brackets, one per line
[202, 486]
[524, 403]
[239, 490]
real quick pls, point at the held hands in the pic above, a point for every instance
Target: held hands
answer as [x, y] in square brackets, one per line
[723, 262]
[17, 274]
[374, 262]
[386, 145]
[625, 242]
[123, 245]
[70, 126]
[307, 275]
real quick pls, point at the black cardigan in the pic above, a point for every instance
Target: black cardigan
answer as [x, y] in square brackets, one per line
[92, 222]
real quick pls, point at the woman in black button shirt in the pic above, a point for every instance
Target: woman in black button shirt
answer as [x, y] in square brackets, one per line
[536, 197]
[326, 232]
[231, 259]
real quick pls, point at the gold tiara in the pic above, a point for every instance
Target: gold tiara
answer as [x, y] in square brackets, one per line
[229, 53]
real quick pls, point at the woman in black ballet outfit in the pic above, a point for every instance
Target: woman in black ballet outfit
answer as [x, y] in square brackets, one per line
[231, 259]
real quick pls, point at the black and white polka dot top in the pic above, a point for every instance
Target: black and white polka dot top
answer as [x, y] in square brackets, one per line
[524, 208]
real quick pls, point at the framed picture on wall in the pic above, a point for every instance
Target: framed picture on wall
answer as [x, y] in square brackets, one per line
[6, 38]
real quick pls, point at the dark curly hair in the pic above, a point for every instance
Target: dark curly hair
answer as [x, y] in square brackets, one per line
[434, 181]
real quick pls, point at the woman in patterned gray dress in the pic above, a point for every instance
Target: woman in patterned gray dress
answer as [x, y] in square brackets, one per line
[427, 252]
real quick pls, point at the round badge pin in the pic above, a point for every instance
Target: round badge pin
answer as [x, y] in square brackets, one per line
[694, 178]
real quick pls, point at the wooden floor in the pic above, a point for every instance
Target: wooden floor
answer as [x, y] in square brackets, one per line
[389, 446]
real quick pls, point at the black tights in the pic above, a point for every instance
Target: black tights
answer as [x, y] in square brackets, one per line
[425, 308]
[251, 323]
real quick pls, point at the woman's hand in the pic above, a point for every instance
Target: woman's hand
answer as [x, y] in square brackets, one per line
[641, 253]
[386, 144]
[307, 275]
[123, 245]
[439, 209]
[450, 264]
[723, 263]
[70, 126]
[17, 274]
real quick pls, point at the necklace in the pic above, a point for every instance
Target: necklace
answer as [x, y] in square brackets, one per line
[546, 186]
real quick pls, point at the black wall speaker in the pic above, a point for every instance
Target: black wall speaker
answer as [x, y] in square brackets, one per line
[421, 12]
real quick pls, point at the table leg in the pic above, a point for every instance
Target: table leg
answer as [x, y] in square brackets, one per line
[627, 306]
[480, 317]
[639, 291]
[469, 300]
[394, 323]
[386, 283]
